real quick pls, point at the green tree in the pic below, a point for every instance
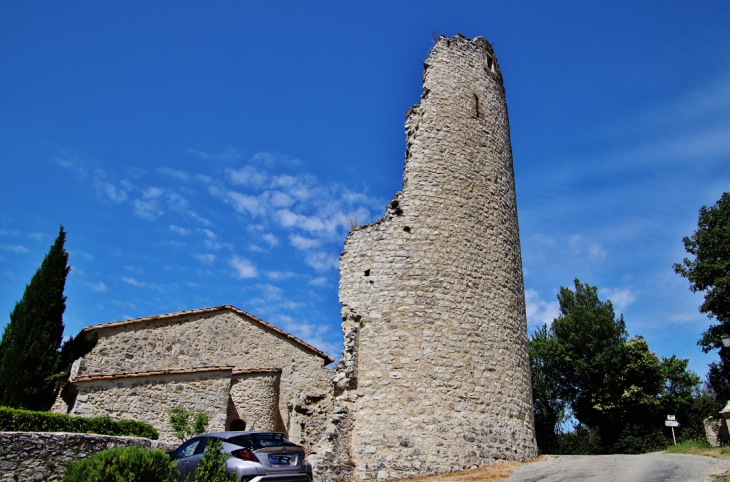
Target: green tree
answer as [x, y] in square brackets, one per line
[29, 355]
[186, 423]
[547, 392]
[591, 340]
[709, 271]
[615, 387]
[212, 467]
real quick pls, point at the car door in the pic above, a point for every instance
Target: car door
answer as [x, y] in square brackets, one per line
[187, 457]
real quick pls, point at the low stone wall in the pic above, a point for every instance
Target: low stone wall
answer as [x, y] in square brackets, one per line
[34, 456]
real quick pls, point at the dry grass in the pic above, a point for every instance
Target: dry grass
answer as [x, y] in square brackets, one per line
[699, 448]
[491, 473]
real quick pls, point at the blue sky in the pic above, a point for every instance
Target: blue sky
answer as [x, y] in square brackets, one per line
[201, 154]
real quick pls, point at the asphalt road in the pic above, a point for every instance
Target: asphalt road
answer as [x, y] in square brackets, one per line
[654, 467]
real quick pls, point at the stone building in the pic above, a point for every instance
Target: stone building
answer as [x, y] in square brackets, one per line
[435, 375]
[224, 361]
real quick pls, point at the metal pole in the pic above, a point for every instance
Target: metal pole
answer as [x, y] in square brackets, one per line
[675, 438]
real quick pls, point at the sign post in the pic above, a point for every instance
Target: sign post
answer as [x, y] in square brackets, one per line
[671, 421]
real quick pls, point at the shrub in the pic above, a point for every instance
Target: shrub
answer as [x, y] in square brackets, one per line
[212, 467]
[186, 423]
[14, 420]
[130, 464]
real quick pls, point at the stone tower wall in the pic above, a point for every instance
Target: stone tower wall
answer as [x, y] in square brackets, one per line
[435, 373]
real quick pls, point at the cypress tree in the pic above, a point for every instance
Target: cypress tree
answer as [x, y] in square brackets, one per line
[29, 348]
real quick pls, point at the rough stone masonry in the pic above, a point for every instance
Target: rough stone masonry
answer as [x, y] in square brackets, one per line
[435, 375]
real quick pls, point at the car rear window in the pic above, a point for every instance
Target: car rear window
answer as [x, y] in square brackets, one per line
[259, 440]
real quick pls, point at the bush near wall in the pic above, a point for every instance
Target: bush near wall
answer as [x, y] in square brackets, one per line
[14, 420]
[130, 464]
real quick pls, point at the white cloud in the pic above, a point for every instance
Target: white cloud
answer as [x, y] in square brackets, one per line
[319, 281]
[132, 281]
[244, 268]
[540, 312]
[174, 173]
[146, 209]
[98, 287]
[177, 202]
[199, 218]
[208, 233]
[152, 192]
[280, 275]
[244, 203]
[248, 176]
[277, 199]
[110, 191]
[303, 243]
[620, 297]
[272, 240]
[210, 244]
[323, 260]
[288, 219]
[205, 258]
[14, 248]
[179, 230]
[581, 246]
[314, 334]
[270, 292]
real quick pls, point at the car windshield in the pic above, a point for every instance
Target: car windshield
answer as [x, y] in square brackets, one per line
[259, 440]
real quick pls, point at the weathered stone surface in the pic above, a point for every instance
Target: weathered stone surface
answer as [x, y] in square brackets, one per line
[148, 398]
[435, 374]
[257, 396]
[35, 456]
[281, 369]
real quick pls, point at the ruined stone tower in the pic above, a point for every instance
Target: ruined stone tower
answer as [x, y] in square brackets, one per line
[435, 373]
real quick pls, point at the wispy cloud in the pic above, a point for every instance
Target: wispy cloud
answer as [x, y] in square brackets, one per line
[620, 297]
[179, 230]
[98, 287]
[280, 275]
[132, 281]
[14, 248]
[302, 242]
[207, 258]
[243, 267]
[323, 260]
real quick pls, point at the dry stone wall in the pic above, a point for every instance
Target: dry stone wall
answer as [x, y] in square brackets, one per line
[26, 456]
[435, 375]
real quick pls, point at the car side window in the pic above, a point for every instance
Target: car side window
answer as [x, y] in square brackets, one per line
[189, 448]
[202, 446]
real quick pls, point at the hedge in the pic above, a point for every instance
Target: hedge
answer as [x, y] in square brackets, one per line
[128, 464]
[15, 420]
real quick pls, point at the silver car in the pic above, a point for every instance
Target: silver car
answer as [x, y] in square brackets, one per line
[254, 456]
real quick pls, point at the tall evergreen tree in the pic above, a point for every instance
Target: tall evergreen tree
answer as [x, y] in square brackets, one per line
[29, 348]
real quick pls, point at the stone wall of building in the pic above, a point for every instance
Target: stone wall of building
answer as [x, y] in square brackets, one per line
[147, 398]
[435, 374]
[223, 337]
[255, 398]
[33, 456]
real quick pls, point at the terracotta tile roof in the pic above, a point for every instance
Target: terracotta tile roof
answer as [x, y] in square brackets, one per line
[169, 316]
[116, 376]
[243, 371]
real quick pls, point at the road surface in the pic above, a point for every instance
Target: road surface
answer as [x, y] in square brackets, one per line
[656, 467]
